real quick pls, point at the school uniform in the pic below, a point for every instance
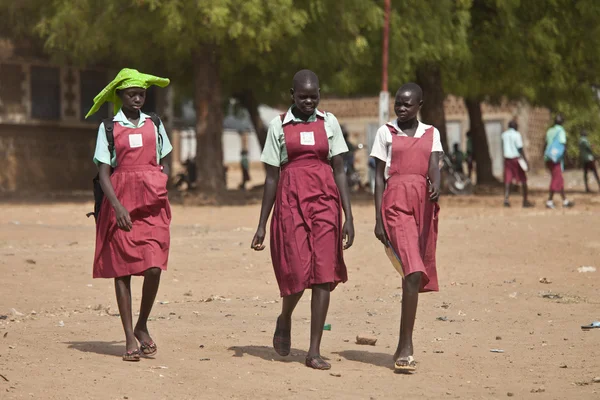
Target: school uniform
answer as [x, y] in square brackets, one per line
[557, 182]
[141, 187]
[410, 219]
[306, 225]
[512, 142]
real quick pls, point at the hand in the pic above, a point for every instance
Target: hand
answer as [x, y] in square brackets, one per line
[259, 238]
[348, 234]
[380, 233]
[434, 193]
[123, 218]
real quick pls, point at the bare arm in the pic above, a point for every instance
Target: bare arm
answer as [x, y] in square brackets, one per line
[434, 175]
[340, 179]
[379, 188]
[270, 191]
[123, 218]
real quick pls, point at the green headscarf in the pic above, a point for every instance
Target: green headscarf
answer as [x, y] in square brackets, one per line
[127, 78]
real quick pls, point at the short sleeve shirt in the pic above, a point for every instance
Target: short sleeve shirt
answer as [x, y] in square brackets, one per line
[585, 150]
[102, 156]
[382, 146]
[275, 152]
[551, 134]
[512, 141]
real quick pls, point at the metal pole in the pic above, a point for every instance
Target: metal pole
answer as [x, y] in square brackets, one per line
[384, 95]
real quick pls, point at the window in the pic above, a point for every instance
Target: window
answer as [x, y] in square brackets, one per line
[90, 84]
[45, 93]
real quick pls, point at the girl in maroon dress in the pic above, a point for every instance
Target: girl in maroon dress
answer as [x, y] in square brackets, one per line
[407, 187]
[306, 229]
[132, 231]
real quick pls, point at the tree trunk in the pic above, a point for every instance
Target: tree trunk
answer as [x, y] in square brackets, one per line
[429, 77]
[209, 121]
[481, 152]
[248, 101]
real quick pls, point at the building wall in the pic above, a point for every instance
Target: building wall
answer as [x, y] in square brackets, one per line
[360, 117]
[45, 142]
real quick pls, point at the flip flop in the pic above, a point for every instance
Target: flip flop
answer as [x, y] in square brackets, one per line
[405, 365]
[593, 325]
[282, 340]
[132, 356]
[316, 362]
[148, 349]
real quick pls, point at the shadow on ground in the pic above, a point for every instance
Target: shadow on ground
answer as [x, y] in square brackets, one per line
[114, 348]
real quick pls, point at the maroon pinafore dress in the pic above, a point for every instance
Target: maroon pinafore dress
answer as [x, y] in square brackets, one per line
[306, 228]
[410, 219]
[141, 187]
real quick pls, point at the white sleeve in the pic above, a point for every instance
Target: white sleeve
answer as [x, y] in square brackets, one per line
[381, 143]
[437, 142]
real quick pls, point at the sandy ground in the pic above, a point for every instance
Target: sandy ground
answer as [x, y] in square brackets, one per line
[61, 338]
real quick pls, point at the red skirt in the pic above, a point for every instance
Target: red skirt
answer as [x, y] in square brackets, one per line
[306, 228]
[513, 171]
[142, 190]
[557, 183]
[411, 224]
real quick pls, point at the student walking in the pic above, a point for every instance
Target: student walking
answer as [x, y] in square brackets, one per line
[307, 234]
[407, 188]
[132, 231]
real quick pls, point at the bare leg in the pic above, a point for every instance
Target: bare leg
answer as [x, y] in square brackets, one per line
[585, 179]
[319, 307]
[282, 339]
[595, 171]
[410, 300]
[506, 194]
[123, 291]
[562, 194]
[151, 283]
[526, 202]
[287, 308]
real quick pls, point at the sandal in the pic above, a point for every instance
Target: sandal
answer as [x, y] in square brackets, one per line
[316, 362]
[282, 340]
[405, 365]
[149, 349]
[133, 355]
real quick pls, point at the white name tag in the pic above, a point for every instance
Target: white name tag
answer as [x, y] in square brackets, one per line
[307, 138]
[135, 140]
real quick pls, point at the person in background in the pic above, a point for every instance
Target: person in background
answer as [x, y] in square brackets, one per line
[469, 154]
[457, 158]
[245, 164]
[588, 160]
[372, 173]
[554, 155]
[512, 150]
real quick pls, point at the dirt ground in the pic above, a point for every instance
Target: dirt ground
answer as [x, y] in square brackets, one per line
[62, 338]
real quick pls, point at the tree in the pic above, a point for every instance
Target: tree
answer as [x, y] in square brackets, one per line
[540, 52]
[335, 35]
[184, 39]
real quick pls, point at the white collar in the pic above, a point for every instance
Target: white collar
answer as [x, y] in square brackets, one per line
[120, 117]
[290, 117]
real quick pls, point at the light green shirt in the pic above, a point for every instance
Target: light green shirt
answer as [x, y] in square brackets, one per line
[101, 155]
[551, 134]
[275, 152]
